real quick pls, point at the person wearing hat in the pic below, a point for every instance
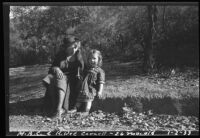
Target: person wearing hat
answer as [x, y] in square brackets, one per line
[63, 77]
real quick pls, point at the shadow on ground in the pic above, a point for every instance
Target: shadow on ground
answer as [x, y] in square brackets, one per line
[28, 107]
[167, 105]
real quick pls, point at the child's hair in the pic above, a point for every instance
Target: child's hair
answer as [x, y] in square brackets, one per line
[94, 51]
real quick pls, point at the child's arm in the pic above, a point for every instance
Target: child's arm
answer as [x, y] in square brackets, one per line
[100, 82]
[99, 92]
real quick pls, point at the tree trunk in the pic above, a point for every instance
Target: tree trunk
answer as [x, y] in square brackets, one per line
[149, 58]
[163, 19]
[121, 42]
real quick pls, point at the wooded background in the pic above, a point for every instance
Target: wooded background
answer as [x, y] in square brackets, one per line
[159, 35]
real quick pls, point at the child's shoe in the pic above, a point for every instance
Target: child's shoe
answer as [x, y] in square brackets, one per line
[72, 111]
[84, 113]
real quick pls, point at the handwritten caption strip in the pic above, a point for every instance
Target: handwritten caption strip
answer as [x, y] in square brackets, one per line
[102, 133]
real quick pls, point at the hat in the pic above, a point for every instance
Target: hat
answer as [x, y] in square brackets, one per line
[69, 40]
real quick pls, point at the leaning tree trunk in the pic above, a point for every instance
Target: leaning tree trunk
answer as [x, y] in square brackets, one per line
[149, 57]
[163, 19]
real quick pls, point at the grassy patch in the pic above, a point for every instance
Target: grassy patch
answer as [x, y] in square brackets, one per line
[127, 80]
[122, 80]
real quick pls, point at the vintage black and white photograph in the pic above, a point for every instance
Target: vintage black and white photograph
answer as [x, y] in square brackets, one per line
[103, 69]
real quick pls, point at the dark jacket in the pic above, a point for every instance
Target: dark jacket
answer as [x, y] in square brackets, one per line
[60, 61]
[74, 73]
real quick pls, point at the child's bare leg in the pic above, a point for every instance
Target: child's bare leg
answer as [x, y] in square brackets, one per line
[78, 105]
[88, 106]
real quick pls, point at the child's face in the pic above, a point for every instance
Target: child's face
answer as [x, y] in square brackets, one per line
[93, 60]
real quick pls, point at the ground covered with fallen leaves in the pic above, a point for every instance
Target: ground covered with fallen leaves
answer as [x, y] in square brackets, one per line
[101, 121]
[122, 80]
